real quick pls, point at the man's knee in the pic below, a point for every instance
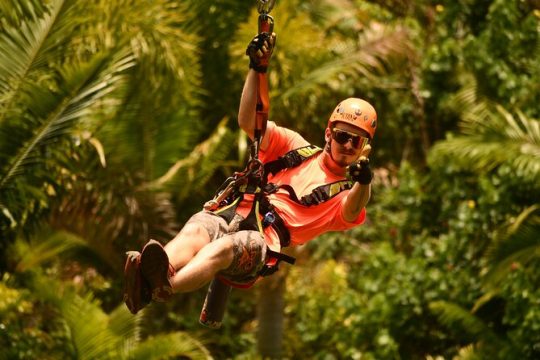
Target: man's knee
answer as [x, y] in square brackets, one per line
[191, 239]
[205, 224]
[220, 252]
[248, 251]
[194, 230]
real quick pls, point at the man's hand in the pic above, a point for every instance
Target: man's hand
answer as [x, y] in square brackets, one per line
[260, 50]
[360, 171]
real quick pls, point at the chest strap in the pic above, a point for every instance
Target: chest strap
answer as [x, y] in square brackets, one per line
[319, 195]
[291, 159]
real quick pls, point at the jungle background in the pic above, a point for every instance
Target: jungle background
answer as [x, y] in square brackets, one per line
[118, 121]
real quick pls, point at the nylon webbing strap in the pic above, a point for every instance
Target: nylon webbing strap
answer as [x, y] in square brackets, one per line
[265, 24]
[319, 195]
[263, 107]
[291, 159]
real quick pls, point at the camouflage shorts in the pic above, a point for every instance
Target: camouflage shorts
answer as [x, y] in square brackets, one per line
[249, 246]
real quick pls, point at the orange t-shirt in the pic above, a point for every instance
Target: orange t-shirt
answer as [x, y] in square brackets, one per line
[303, 222]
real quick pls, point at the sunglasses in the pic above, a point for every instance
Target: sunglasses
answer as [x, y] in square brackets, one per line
[342, 137]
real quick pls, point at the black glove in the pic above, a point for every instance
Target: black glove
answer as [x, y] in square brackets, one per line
[260, 50]
[360, 172]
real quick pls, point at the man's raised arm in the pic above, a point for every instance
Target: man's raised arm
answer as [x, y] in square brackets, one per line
[259, 51]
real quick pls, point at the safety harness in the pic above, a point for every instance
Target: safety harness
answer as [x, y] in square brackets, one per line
[263, 213]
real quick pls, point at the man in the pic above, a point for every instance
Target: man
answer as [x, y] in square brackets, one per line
[210, 244]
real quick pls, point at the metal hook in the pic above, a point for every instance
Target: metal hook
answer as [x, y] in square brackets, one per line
[265, 6]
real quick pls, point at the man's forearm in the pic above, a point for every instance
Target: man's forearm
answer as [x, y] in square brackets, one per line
[356, 200]
[248, 103]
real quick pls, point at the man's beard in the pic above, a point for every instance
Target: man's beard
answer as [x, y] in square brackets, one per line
[341, 159]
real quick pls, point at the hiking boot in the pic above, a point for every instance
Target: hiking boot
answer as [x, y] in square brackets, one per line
[136, 289]
[157, 270]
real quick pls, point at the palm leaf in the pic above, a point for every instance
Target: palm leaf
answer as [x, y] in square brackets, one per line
[13, 11]
[48, 247]
[375, 48]
[24, 48]
[93, 334]
[201, 164]
[492, 138]
[519, 244]
[455, 317]
[86, 325]
[85, 86]
[88, 328]
[169, 345]
[164, 43]
[126, 328]
[154, 128]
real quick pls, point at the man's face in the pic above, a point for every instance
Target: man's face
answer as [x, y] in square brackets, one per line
[347, 143]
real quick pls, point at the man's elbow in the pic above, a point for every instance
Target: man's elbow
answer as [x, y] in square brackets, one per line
[350, 215]
[247, 129]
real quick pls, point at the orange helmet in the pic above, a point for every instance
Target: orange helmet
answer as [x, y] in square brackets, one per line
[356, 112]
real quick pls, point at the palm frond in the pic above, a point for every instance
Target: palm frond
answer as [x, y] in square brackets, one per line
[85, 324]
[160, 37]
[46, 248]
[14, 11]
[518, 245]
[126, 328]
[200, 165]
[84, 86]
[88, 328]
[168, 345]
[375, 48]
[492, 138]
[24, 48]
[94, 334]
[455, 317]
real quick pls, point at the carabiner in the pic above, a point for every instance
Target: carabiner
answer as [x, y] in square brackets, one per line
[265, 6]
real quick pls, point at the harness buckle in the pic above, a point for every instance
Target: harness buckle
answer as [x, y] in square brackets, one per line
[292, 159]
[269, 219]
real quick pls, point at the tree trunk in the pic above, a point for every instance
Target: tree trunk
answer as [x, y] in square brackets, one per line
[270, 316]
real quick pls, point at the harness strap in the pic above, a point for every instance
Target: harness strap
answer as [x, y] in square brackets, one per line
[319, 195]
[273, 219]
[273, 258]
[253, 220]
[291, 159]
[272, 264]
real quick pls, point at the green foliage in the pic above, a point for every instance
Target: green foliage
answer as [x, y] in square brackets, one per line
[501, 54]
[114, 128]
[80, 328]
[522, 315]
[380, 307]
[26, 330]
[514, 244]
[491, 137]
